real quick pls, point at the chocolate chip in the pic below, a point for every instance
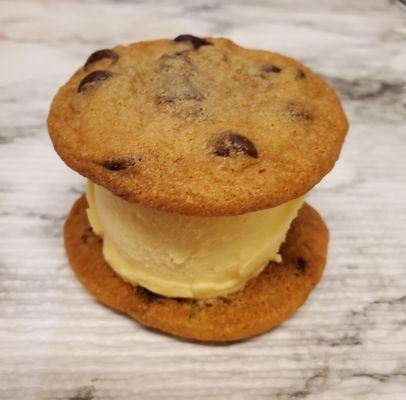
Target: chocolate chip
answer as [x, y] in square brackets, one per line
[270, 68]
[175, 63]
[146, 295]
[119, 164]
[301, 265]
[178, 87]
[185, 300]
[301, 74]
[93, 80]
[303, 114]
[100, 54]
[233, 144]
[180, 300]
[196, 41]
[299, 112]
[87, 234]
[178, 90]
[181, 94]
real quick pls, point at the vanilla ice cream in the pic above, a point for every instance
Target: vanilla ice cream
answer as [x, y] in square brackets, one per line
[186, 256]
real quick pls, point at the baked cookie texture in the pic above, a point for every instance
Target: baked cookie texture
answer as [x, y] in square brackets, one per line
[264, 303]
[198, 126]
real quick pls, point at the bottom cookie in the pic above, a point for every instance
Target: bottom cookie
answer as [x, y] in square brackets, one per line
[264, 303]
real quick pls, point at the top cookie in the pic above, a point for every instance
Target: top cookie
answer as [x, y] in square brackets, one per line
[198, 126]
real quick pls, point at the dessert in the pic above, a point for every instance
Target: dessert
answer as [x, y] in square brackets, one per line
[199, 154]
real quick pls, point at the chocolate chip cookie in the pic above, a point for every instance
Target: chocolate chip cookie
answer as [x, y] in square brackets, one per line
[198, 126]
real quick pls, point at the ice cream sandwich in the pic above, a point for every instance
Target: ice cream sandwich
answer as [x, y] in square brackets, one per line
[199, 154]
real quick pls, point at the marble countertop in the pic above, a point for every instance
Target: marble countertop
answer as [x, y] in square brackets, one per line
[347, 342]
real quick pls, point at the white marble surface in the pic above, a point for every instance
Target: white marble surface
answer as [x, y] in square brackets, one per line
[347, 342]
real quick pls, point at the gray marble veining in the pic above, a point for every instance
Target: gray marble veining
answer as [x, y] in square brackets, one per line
[347, 342]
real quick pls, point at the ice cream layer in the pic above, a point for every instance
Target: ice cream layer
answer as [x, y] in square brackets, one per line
[186, 256]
